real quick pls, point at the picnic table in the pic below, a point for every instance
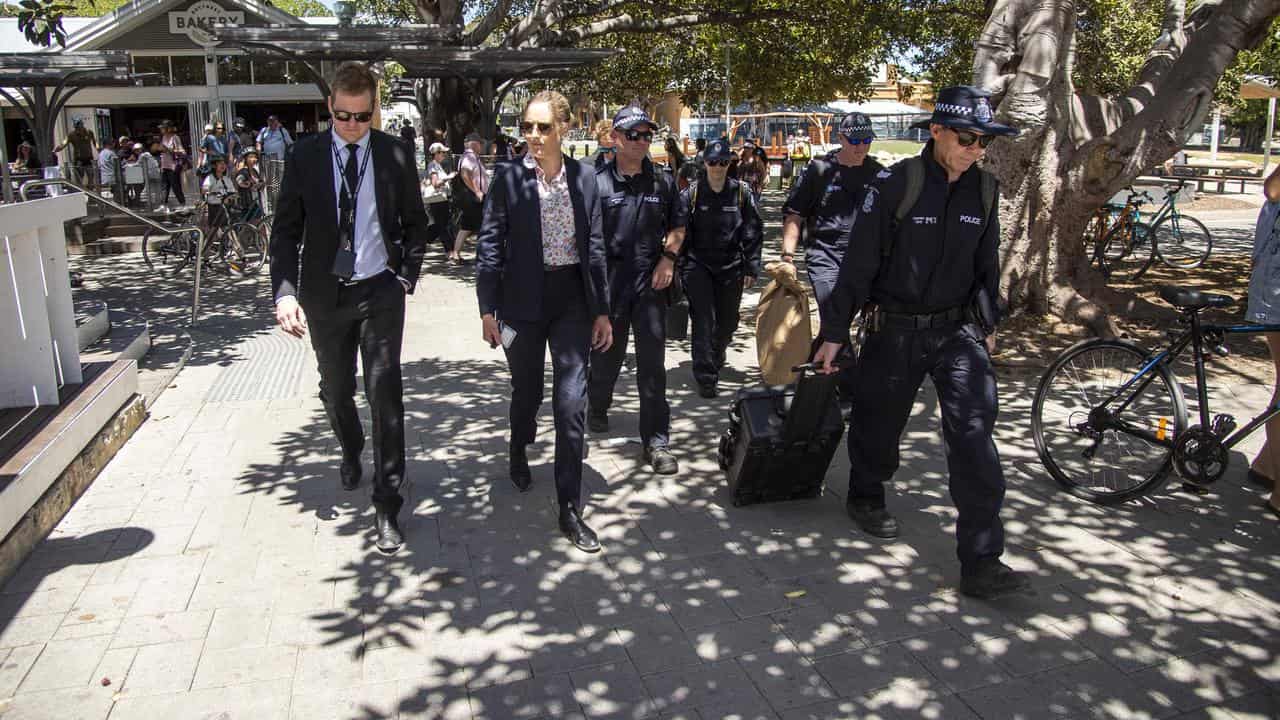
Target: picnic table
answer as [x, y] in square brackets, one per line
[1220, 172]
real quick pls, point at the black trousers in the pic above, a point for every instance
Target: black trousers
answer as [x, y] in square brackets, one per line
[646, 314]
[714, 301]
[823, 267]
[173, 181]
[893, 365]
[565, 327]
[369, 319]
[441, 217]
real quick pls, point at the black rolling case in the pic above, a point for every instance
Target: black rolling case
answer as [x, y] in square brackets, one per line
[781, 440]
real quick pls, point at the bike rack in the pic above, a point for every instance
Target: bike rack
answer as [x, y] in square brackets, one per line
[167, 230]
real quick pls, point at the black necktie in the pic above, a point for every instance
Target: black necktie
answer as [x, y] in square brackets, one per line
[347, 203]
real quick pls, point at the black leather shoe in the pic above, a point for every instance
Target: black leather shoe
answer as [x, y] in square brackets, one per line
[874, 521]
[521, 476]
[571, 524]
[350, 474]
[598, 422]
[661, 460]
[992, 579]
[708, 390]
[389, 536]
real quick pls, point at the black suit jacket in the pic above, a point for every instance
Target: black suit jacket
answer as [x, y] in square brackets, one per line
[509, 268]
[307, 218]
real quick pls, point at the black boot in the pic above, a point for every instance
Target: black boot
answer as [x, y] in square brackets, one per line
[660, 458]
[873, 520]
[708, 390]
[992, 579]
[598, 422]
[521, 475]
[576, 530]
[349, 472]
[389, 536]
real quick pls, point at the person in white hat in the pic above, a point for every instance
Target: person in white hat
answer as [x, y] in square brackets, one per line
[436, 195]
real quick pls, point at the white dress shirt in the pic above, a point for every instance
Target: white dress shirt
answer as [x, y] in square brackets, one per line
[371, 253]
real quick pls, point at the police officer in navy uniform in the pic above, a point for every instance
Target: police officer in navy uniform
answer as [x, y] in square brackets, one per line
[826, 199]
[722, 257]
[931, 274]
[643, 232]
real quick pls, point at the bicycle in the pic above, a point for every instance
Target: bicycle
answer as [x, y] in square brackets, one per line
[1110, 420]
[1176, 239]
[1124, 239]
[238, 246]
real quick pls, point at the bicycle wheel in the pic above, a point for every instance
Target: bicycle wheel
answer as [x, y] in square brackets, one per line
[1126, 248]
[1106, 466]
[167, 252]
[1182, 242]
[244, 250]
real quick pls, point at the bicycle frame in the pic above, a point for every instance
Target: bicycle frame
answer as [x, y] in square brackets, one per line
[1195, 337]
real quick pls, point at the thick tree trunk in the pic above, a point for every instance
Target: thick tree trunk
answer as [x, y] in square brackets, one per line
[1077, 151]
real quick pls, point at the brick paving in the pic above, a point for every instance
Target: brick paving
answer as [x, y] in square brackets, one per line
[216, 570]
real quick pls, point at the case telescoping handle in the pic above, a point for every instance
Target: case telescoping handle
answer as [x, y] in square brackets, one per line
[811, 367]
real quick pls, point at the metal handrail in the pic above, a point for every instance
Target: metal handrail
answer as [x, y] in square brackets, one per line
[165, 229]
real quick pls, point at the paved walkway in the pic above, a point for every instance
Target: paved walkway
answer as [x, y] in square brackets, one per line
[215, 569]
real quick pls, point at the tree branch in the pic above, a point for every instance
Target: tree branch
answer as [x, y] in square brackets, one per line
[631, 24]
[545, 13]
[488, 23]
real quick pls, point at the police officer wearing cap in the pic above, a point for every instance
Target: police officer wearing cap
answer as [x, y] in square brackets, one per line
[723, 236]
[643, 233]
[825, 200]
[930, 271]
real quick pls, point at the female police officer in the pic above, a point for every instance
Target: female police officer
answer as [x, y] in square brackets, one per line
[540, 269]
[722, 239]
[923, 250]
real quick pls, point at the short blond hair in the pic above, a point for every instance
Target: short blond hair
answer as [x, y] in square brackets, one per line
[603, 129]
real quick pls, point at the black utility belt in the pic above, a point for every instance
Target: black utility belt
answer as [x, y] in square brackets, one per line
[945, 319]
[560, 268]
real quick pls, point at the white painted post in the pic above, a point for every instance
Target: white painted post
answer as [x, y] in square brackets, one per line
[39, 350]
[1271, 129]
[1213, 141]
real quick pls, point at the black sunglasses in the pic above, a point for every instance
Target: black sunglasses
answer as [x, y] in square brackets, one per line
[634, 135]
[719, 163]
[543, 128]
[858, 141]
[967, 139]
[346, 116]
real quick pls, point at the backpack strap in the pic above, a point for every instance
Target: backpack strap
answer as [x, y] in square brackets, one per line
[914, 169]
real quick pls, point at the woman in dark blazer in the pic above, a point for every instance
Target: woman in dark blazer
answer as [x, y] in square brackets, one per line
[540, 279]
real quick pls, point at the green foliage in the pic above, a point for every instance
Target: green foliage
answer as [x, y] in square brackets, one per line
[390, 71]
[41, 22]
[302, 8]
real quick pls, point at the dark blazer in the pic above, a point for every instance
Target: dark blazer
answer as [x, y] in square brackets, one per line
[509, 249]
[307, 217]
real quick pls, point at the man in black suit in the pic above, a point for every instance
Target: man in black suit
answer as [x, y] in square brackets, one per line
[351, 197]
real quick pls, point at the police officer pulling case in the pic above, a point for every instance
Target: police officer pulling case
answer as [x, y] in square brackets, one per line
[924, 253]
[723, 239]
[825, 199]
[643, 232]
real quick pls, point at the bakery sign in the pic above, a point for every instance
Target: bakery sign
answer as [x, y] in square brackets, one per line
[195, 21]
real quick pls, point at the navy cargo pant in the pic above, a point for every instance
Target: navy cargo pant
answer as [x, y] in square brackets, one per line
[565, 328]
[714, 300]
[894, 363]
[645, 314]
[823, 266]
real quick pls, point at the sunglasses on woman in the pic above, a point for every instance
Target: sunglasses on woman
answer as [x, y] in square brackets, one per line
[858, 141]
[634, 135]
[346, 116]
[543, 128]
[719, 163]
[967, 139]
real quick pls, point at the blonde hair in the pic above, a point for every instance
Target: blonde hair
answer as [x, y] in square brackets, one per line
[355, 78]
[558, 103]
[603, 129]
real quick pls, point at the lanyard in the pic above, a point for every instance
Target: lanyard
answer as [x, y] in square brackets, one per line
[352, 193]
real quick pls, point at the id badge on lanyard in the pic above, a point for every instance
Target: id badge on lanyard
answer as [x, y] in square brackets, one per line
[344, 261]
